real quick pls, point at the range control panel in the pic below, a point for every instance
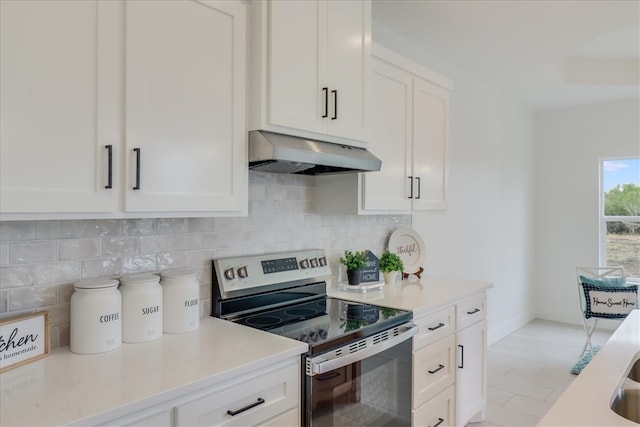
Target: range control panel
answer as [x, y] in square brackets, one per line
[250, 272]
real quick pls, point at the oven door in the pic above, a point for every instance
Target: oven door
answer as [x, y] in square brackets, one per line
[365, 383]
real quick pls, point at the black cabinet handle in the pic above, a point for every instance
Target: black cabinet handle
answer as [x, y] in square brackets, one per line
[410, 188]
[440, 421]
[461, 365]
[418, 179]
[335, 104]
[109, 166]
[137, 151]
[439, 368]
[473, 311]
[326, 102]
[438, 326]
[260, 401]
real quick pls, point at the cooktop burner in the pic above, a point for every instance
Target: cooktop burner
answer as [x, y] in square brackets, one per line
[284, 316]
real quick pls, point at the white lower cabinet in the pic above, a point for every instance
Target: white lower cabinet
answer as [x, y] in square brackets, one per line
[449, 364]
[264, 399]
[439, 411]
[471, 380]
[267, 397]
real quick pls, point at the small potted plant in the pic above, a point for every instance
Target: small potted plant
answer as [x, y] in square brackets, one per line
[390, 265]
[354, 261]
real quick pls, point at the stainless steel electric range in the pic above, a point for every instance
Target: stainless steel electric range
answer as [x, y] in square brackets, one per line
[357, 370]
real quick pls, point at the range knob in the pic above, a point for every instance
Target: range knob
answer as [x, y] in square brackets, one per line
[323, 333]
[304, 263]
[323, 261]
[313, 336]
[242, 272]
[314, 262]
[229, 274]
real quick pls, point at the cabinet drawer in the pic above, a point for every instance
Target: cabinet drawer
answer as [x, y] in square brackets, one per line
[291, 418]
[433, 370]
[434, 326]
[470, 311]
[438, 412]
[264, 396]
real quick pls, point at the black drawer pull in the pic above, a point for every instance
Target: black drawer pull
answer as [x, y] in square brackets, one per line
[137, 186]
[325, 90]
[109, 166]
[474, 311]
[335, 104]
[410, 188]
[260, 401]
[461, 365]
[440, 421]
[418, 179]
[439, 368]
[433, 328]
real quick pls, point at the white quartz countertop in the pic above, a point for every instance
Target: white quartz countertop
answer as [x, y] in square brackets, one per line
[424, 295]
[66, 388]
[587, 400]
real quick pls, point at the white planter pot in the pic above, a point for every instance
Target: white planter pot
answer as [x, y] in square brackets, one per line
[390, 277]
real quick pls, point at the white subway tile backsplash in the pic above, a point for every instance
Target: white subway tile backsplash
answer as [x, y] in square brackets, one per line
[4, 253]
[119, 246]
[138, 227]
[139, 264]
[101, 267]
[171, 225]
[78, 248]
[16, 276]
[100, 227]
[13, 231]
[31, 252]
[40, 260]
[31, 297]
[58, 272]
[48, 230]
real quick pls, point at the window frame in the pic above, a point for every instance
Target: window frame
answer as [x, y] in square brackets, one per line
[603, 219]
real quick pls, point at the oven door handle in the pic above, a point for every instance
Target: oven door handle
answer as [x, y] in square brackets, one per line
[341, 357]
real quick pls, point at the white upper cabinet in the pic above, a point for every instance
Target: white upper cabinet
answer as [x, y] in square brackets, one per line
[410, 132]
[185, 106]
[123, 108]
[60, 106]
[310, 68]
[391, 140]
[430, 120]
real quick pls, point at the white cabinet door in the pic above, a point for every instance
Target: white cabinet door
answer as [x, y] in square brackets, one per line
[297, 36]
[471, 381]
[314, 58]
[391, 140]
[430, 135]
[60, 105]
[185, 127]
[348, 57]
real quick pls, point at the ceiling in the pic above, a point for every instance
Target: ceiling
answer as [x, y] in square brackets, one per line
[547, 53]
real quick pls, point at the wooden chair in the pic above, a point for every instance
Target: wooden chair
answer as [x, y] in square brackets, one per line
[596, 286]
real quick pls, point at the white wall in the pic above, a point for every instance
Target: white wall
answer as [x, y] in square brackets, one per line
[486, 232]
[569, 145]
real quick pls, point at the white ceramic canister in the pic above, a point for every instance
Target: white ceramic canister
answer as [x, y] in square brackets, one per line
[141, 307]
[96, 316]
[181, 297]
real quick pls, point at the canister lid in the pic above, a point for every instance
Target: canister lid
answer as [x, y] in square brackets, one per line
[178, 274]
[140, 279]
[95, 283]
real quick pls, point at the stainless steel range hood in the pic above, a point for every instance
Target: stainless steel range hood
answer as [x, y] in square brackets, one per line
[274, 152]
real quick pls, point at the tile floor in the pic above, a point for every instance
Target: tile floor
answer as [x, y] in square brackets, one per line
[528, 370]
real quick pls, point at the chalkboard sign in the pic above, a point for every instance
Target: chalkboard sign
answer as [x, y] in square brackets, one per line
[371, 269]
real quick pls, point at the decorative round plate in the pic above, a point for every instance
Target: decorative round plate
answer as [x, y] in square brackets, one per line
[408, 245]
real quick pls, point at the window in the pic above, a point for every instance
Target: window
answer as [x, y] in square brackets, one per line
[620, 214]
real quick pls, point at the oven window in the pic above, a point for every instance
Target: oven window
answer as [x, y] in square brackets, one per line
[375, 391]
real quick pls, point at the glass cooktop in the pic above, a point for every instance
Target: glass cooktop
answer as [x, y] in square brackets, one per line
[326, 322]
